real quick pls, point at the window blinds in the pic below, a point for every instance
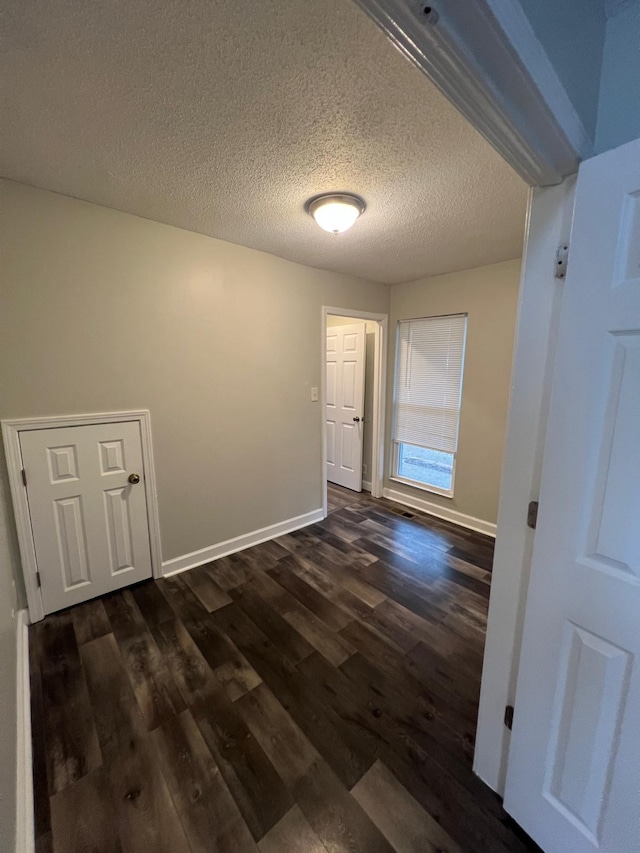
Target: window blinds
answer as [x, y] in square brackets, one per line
[429, 381]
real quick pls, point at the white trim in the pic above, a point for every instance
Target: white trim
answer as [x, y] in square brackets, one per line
[25, 828]
[466, 52]
[11, 430]
[414, 484]
[397, 478]
[239, 543]
[366, 486]
[379, 393]
[445, 513]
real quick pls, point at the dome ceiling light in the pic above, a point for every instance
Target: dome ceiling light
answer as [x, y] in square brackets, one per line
[335, 212]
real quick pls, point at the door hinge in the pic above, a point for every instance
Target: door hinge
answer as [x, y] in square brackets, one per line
[532, 515]
[562, 260]
[38, 581]
[24, 477]
[508, 717]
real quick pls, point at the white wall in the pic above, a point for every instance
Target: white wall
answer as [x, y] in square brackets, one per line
[103, 311]
[489, 296]
[619, 111]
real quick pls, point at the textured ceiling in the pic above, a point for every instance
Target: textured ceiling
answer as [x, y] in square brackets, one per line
[223, 117]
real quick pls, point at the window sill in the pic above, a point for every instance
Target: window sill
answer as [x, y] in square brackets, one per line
[433, 490]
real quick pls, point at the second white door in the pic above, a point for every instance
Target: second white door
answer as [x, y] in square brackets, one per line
[88, 509]
[345, 404]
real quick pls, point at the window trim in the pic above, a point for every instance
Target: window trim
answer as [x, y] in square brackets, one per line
[434, 490]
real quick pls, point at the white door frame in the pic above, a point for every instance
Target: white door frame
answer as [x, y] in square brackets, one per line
[11, 430]
[583, 601]
[549, 217]
[379, 393]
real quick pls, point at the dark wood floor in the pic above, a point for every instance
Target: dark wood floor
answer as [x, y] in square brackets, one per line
[314, 694]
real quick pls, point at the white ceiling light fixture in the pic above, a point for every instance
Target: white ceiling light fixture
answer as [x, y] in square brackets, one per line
[335, 212]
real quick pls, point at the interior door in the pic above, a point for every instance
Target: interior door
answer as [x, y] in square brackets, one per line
[574, 766]
[346, 347]
[88, 509]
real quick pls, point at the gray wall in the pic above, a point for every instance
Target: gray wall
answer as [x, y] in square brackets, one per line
[572, 34]
[367, 446]
[619, 110]
[597, 59]
[489, 296]
[103, 311]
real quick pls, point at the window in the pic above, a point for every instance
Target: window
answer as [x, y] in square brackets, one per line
[428, 390]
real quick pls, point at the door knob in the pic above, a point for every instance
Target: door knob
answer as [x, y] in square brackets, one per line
[357, 420]
[134, 478]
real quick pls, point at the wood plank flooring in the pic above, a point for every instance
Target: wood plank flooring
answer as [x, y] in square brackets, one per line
[314, 694]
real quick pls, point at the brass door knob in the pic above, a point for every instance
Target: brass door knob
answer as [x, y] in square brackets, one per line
[134, 478]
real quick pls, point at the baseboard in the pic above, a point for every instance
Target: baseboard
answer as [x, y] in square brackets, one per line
[366, 486]
[239, 543]
[25, 828]
[438, 511]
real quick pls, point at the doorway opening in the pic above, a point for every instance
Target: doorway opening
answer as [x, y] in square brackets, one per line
[353, 422]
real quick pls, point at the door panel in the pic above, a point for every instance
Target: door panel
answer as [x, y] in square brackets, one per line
[331, 443]
[591, 692]
[345, 401]
[332, 399]
[119, 532]
[90, 525]
[349, 440]
[112, 457]
[615, 525]
[349, 386]
[574, 762]
[71, 535]
[63, 464]
[351, 342]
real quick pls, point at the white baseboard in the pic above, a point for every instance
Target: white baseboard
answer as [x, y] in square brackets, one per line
[366, 486]
[25, 828]
[239, 543]
[443, 512]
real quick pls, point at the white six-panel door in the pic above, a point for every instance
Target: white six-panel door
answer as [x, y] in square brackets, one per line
[573, 778]
[89, 522]
[345, 404]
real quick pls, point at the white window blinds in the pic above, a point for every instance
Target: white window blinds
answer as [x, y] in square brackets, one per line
[429, 381]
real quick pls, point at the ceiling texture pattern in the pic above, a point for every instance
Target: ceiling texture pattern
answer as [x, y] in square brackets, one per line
[223, 117]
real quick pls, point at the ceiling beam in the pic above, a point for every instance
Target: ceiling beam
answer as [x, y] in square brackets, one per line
[486, 60]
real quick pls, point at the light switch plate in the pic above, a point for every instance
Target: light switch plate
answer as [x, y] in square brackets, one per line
[314, 395]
